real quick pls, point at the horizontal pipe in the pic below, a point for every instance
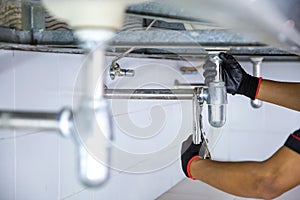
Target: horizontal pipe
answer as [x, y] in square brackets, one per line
[29, 120]
[179, 85]
[154, 94]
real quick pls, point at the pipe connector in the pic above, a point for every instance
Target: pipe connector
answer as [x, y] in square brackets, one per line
[116, 70]
[65, 122]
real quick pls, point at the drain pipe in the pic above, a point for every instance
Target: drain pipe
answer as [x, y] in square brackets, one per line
[94, 25]
[215, 95]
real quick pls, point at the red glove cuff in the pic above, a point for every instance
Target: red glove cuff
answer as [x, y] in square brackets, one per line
[189, 166]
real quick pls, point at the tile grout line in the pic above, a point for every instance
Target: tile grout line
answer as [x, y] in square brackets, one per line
[59, 139]
[74, 194]
[15, 132]
[59, 170]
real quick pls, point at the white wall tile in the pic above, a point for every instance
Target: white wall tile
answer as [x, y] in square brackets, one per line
[37, 175]
[37, 81]
[69, 67]
[144, 135]
[7, 169]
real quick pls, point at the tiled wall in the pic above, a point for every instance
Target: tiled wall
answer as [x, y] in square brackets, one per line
[42, 165]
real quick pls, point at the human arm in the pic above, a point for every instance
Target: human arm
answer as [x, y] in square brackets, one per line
[280, 93]
[239, 82]
[266, 179]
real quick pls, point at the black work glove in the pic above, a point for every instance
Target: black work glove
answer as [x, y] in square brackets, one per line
[237, 81]
[293, 141]
[189, 152]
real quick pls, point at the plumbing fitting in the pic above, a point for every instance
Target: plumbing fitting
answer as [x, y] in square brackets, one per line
[116, 70]
[215, 96]
[256, 61]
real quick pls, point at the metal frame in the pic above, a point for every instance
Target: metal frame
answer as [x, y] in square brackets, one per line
[163, 44]
[155, 43]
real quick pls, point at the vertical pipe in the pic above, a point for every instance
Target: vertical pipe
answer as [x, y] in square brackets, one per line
[92, 121]
[217, 96]
[256, 61]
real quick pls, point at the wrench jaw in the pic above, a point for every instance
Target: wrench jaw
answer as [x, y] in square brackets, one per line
[199, 136]
[204, 151]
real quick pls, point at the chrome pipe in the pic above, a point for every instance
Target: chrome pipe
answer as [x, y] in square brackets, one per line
[93, 123]
[154, 94]
[256, 61]
[60, 121]
[116, 70]
[179, 85]
[216, 96]
[31, 120]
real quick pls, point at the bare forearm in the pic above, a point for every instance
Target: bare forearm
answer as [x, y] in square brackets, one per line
[238, 178]
[267, 179]
[280, 93]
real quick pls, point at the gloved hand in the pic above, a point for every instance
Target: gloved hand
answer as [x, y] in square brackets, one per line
[293, 141]
[189, 152]
[237, 81]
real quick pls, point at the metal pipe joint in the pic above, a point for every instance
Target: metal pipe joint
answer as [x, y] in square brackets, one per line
[215, 96]
[116, 70]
